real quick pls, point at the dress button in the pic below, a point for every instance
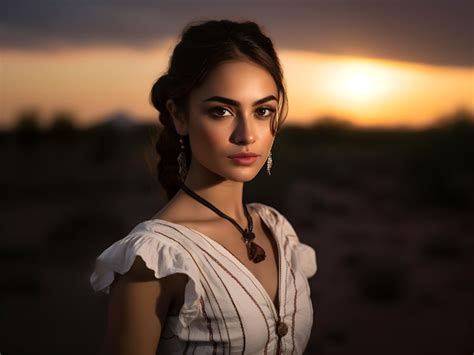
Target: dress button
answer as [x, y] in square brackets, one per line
[282, 328]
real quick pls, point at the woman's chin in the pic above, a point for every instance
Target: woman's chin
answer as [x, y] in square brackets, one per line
[243, 176]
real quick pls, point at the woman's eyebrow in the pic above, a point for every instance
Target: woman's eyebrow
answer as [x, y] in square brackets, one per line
[228, 101]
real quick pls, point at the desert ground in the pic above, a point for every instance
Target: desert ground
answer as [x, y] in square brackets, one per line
[388, 211]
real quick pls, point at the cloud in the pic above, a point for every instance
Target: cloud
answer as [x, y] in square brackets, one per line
[433, 32]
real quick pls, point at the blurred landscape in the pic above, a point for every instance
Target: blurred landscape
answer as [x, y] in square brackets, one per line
[389, 212]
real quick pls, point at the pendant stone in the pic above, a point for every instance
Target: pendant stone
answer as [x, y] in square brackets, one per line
[254, 251]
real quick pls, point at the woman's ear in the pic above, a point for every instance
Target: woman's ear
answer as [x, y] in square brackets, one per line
[178, 117]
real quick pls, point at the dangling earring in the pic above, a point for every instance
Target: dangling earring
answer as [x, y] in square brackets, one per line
[182, 161]
[269, 163]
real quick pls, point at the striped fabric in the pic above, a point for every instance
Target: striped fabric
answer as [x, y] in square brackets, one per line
[226, 309]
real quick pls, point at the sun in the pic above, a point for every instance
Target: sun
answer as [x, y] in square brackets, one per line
[357, 81]
[358, 85]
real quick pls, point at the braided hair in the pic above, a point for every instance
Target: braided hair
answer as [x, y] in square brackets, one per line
[204, 45]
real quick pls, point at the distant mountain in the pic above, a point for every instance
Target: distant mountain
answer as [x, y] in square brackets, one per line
[120, 120]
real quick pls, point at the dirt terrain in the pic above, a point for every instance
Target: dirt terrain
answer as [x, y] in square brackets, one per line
[389, 213]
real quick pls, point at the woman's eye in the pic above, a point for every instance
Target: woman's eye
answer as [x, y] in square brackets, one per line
[270, 111]
[220, 112]
[217, 111]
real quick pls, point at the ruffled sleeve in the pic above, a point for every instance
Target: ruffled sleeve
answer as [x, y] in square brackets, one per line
[162, 255]
[303, 255]
[305, 259]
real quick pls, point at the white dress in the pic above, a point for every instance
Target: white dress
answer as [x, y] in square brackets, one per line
[226, 309]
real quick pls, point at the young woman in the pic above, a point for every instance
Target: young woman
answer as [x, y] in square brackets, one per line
[210, 273]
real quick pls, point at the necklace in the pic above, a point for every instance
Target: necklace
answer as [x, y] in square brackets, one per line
[254, 251]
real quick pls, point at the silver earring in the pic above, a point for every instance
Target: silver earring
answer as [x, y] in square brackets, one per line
[269, 163]
[182, 161]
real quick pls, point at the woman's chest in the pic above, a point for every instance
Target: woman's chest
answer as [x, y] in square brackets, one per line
[225, 241]
[236, 311]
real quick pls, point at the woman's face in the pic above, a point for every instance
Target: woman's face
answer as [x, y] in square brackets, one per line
[230, 113]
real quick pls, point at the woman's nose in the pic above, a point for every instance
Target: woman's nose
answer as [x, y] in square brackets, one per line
[244, 132]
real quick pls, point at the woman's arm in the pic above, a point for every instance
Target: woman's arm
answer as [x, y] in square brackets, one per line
[137, 308]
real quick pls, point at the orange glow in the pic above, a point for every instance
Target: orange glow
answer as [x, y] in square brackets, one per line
[94, 82]
[361, 82]
[373, 92]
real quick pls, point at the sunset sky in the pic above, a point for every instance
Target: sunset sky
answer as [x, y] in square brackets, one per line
[371, 62]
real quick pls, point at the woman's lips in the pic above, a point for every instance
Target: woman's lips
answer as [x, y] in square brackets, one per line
[242, 160]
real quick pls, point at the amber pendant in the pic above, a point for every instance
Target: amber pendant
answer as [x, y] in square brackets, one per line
[255, 252]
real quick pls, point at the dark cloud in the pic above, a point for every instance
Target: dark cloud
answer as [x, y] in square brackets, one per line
[434, 32]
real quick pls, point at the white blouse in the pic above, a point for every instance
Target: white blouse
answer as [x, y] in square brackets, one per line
[226, 309]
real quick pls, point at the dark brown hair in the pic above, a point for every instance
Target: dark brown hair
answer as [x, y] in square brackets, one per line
[203, 46]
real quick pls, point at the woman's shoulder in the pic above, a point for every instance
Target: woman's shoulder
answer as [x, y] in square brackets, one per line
[160, 244]
[158, 247]
[272, 214]
[164, 231]
[303, 255]
[276, 218]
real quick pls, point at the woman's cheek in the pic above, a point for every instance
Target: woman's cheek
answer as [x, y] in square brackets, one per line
[207, 145]
[213, 140]
[265, 136]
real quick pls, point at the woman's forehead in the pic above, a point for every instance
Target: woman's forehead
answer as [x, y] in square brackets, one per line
[238, 80]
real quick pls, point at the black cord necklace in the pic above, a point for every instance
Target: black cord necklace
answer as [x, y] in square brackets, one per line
[254, 251]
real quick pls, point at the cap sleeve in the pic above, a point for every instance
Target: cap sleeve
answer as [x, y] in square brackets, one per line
[303, 255]
[161, 255]
[305, 259]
